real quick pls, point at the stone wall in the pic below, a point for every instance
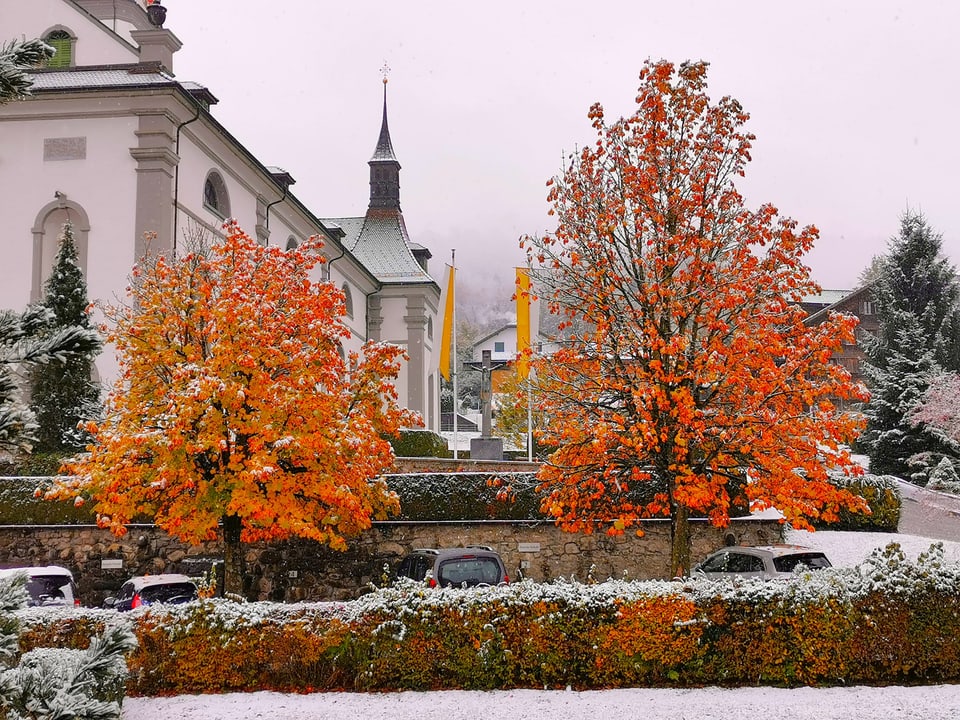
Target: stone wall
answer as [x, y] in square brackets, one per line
[304, 570]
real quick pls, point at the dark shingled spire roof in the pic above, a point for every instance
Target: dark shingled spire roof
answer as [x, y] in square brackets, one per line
[379, 239]
[384, 149]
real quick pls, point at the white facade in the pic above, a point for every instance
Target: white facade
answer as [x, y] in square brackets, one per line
[123, 149]
[501, 343]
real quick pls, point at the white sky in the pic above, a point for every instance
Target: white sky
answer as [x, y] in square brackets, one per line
[854, 105]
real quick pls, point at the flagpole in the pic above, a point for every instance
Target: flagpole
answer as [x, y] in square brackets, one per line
[452, 290]
[529, 420]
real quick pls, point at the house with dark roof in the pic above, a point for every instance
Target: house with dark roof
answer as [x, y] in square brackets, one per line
[114, 142]
[859, 303]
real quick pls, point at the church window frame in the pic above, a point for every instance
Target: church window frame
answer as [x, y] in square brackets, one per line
[216, 198]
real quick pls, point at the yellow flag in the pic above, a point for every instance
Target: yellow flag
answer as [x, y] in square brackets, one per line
[523, 323]
[446, 334]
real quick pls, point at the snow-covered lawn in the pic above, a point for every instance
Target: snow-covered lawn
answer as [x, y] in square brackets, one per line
[938, 702]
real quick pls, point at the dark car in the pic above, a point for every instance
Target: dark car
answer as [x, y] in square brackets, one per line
[47, 585]
[454, 567]
[170, 589]
[763, 561]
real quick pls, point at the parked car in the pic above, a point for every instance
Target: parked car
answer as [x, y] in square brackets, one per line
[48, 585]
[766, 561]
[454, 567]
[170, 589]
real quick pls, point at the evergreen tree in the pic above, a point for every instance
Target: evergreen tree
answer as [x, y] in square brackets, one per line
[16, 59]
[944, 477]
[52, 683]
[63, 394]
[894, 439]
[918, 308]
[26, 341]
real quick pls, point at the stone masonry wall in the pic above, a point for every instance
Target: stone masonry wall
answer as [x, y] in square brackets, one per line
[302, 570]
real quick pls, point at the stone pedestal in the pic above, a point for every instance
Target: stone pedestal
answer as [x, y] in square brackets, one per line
[486, 448]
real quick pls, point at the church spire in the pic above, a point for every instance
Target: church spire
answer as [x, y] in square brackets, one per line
[384, 168]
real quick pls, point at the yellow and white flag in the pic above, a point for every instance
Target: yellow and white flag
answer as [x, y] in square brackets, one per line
[446, 333]
[528, 322]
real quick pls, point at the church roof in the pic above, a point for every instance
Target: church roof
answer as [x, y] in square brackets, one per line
[97, 77]
[379, 240]
[384, 149]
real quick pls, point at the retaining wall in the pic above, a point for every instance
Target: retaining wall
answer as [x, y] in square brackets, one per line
[298, 570]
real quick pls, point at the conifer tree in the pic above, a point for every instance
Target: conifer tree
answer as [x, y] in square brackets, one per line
[16, 59]
[918, 308]
[897, 442]
[63, 394]
[49, 683]
[26, 341]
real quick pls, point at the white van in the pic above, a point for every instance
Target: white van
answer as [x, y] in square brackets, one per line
[47, 586]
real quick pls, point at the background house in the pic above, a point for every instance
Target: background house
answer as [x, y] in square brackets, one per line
[118, 145]
[859, 303]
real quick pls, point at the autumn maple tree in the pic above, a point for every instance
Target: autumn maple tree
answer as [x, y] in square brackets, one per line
[237, 411]
[685, 366]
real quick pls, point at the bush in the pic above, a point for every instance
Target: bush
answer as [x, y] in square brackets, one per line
[889, 620]
[420, 443]
[20, 506]
[465, 496]
[882, 496]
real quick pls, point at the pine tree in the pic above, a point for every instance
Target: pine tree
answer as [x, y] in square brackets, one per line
[944, 477]
[897, 443]
[16, 58]
[63, 394]
[25, 341]
[918, 308]
[49, 683]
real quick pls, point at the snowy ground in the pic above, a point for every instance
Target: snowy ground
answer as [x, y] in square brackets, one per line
[939, 702]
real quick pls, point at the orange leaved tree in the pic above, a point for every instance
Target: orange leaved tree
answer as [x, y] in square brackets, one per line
[686, 366]
[236, 411]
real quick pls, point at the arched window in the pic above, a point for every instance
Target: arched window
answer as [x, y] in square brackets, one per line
[215, 196]
[347, 299]
[292, 243]
[62, 41]
[429, 328]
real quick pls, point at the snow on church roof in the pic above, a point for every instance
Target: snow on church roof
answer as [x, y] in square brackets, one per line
[379, 241]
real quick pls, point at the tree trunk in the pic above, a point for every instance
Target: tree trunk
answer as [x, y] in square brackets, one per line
[679, 541]
[232, 555]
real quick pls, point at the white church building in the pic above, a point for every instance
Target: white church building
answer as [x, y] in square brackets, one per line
[113, 141]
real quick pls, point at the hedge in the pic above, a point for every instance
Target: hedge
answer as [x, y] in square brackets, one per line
[882, 494]
[887, 621]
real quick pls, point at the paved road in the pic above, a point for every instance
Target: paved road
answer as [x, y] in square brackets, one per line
[929, 514]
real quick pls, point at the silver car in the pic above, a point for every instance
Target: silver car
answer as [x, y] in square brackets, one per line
[770, 562]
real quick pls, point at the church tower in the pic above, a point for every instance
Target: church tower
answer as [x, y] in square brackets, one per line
[384, 168]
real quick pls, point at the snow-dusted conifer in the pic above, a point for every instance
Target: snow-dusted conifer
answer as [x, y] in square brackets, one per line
[64, 394]
[16, 59]
[897, 389]
[918, 307]
[944, 477]
[54, 683]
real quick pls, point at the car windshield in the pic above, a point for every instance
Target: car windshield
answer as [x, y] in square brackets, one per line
[469, 571]
[789, 563]
[47, 589]
[172, 593]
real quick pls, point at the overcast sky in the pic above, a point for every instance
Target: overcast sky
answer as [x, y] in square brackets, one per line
[854, 105]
